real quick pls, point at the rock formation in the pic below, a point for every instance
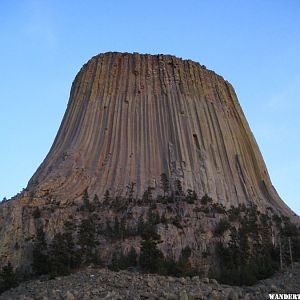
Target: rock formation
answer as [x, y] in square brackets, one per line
[130, 118]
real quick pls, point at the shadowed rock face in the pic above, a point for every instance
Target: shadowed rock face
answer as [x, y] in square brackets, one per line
[131, 117]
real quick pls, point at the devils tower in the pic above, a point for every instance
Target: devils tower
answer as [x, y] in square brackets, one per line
[130, 119]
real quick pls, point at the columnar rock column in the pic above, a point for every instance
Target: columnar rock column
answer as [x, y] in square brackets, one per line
[131, 117]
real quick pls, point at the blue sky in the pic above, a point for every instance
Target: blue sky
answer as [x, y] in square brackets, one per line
[253, 44]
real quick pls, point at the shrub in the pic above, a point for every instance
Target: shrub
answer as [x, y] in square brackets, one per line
[221, 227]
[36, 213]
[7, 278]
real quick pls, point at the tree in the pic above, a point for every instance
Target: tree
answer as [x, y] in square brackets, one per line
[86, 200]
[117, 227]
[140, 225]
[73, 259]
[87, 239]
[107, 198]
[132, 257]
[40, 262]
[59, 256]
[147, 196]
[183, 266]
[151, 258]
[96, 201]
[222, 226]
[191, 196]
[7, 278]
[206, 200]
[130, 190]
[178, 188]
[165, 184]
[36, 213]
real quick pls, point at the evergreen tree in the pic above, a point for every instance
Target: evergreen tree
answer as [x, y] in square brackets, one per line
[205, 200]
[40, 262]
[147, 196]
[165, 184]
[191, 196]
[96, 201]
[86, 200]
[37, 213]
[123, 228]
[178, 188]
[7, 278]
[130, 190]
[153, 217]
[141, 225]
[151, 258]
[59, 256]
[132, 257]
[87, 239]
[117, 228]
[114, 265]
[72, 259]
[183, 266]
[107, 198]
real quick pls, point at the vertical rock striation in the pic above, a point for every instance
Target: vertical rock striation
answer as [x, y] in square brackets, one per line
[131, 117]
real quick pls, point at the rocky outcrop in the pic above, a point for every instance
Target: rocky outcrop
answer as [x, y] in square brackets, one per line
[104, 284]
[131, 117]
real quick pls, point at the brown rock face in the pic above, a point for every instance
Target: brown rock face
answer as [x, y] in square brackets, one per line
[131, 117]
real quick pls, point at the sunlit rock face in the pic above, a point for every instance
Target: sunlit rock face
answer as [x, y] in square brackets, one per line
[131, 117]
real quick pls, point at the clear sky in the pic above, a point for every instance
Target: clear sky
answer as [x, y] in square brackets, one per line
[254, 44]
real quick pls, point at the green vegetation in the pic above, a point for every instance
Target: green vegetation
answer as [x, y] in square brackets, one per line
[252, 252]
[165, 184]
[151, 257]
[40, 256]
[247, 245]
[8, 278]
[120, 261]
[37, 213]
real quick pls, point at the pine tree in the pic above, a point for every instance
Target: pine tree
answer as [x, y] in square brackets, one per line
[37, 213]
[7, 278]
[86, 200]
[130, 190]
[191, 196]
[59, 256]
[178, 188]
[147, 196]
[96, 201]
[132, 257]
[40, 262]
[141, 225]
[107, 198]
[165, 184]
[151, 258]
[73, 259]
[206, 200]
[117, 227]
[87, 239]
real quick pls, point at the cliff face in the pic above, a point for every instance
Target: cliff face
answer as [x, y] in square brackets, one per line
[129, 119]
[132, 117]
